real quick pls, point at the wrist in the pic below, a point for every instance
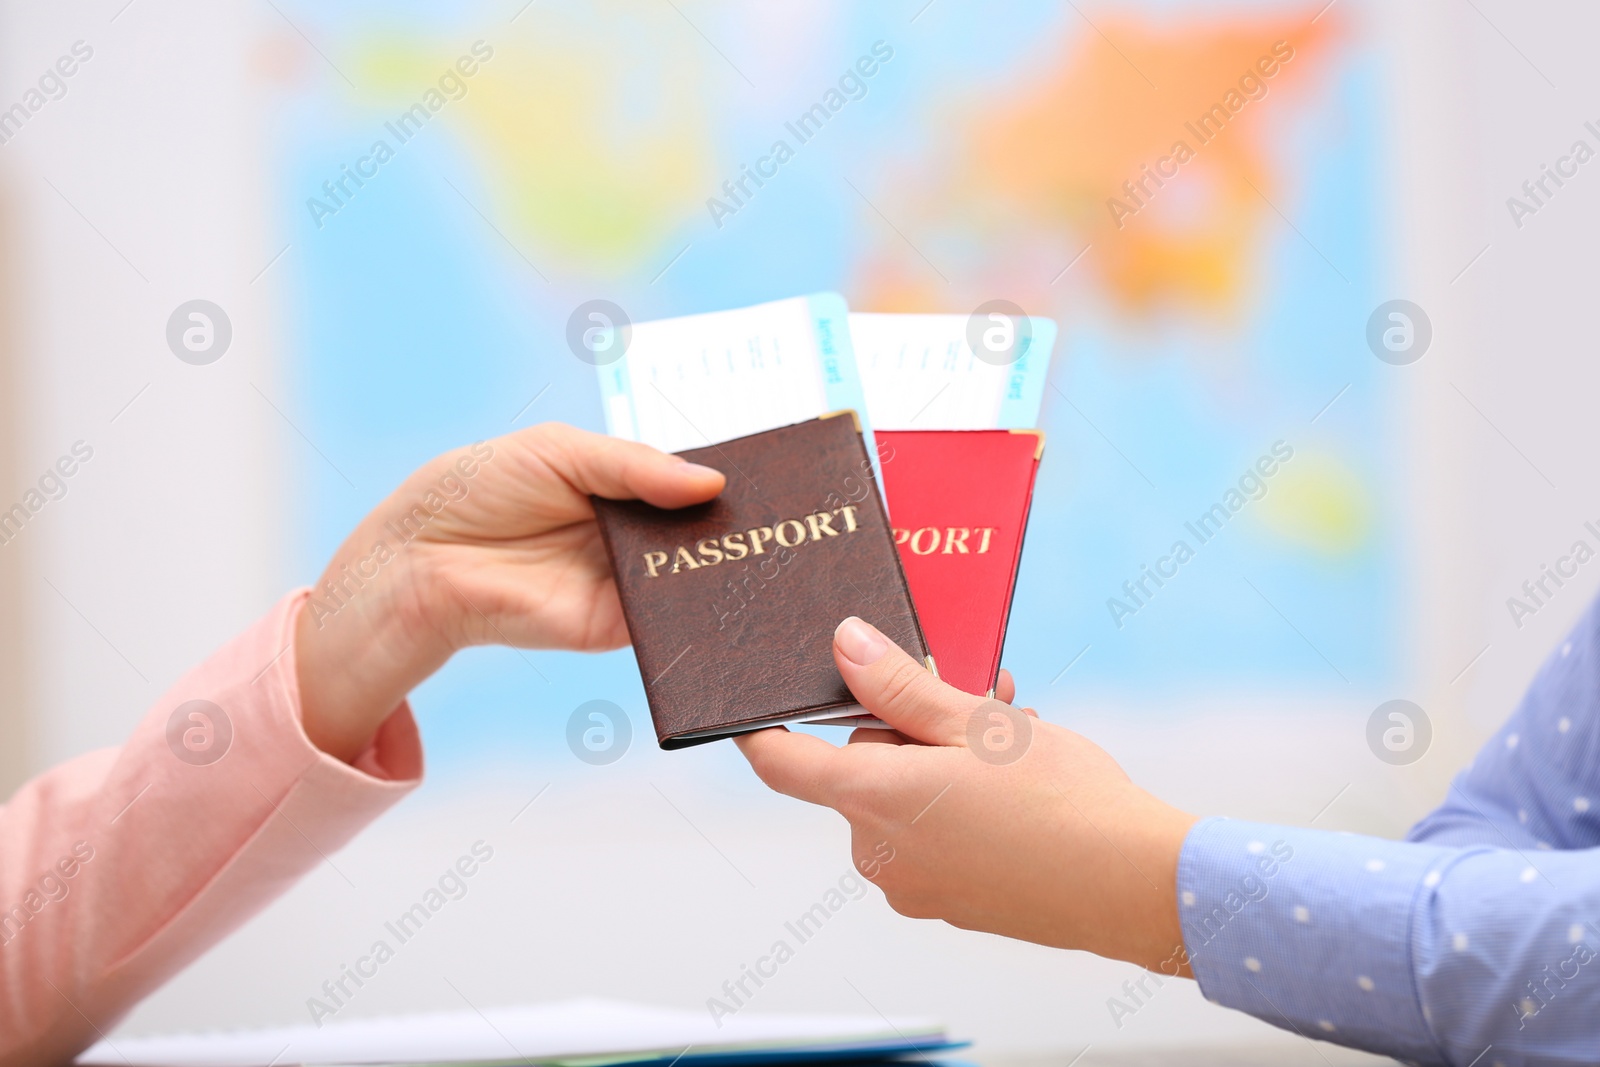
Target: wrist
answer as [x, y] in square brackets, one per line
[1156, 941]
[1139, 920]
[364, 638]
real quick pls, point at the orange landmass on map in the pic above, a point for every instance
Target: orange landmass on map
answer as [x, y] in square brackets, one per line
[1040, 171]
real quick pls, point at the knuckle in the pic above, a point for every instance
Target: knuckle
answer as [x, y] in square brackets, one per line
[553, 438]
[905, 685]
[543, 432]
[870, 798]
[858, 800]
[785, 779]
[773, 772]
[765, 767]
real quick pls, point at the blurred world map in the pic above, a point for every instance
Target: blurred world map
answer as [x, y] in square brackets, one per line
[1210, 316]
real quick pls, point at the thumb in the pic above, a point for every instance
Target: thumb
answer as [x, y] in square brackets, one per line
[898, 689]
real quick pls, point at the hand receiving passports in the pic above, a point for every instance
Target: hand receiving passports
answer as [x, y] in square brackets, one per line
[910, 515]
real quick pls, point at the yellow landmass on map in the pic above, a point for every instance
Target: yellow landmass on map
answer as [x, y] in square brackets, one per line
[1038, 170]
[586, 170]
[1319, 503]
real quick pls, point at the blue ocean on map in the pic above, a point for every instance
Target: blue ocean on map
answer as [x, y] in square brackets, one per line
[1216, 320]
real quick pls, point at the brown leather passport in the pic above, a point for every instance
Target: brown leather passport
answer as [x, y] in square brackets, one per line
[732, 604]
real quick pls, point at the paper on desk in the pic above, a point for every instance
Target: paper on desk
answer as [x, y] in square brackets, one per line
[919, 371]
[703, 379]
[561, 1031]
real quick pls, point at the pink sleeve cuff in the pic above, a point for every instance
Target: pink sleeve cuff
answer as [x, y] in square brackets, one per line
[275, 805]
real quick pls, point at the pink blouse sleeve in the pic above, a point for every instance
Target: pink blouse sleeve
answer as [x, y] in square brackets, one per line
[119, 868]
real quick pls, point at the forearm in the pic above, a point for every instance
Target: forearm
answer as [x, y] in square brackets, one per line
[172, 841]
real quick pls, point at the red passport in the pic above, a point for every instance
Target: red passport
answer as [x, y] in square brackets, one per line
[958, 505]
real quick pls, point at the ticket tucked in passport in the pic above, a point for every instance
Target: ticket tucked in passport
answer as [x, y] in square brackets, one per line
[732, 604]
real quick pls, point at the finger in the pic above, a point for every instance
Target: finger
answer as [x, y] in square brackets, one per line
[597, 465]
[898, 689]
[1029, 712]
[802, 766]
[1005, 689]
[875, 735]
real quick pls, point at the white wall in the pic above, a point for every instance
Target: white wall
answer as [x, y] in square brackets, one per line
[137, 191]
[169, 540]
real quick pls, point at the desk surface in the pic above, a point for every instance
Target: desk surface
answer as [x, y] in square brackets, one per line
[1274, 1054]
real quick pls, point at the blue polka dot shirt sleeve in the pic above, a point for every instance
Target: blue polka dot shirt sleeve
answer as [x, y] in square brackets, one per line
[1536, 784]
[1474, 942]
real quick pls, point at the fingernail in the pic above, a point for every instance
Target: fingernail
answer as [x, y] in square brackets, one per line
[860, 642]
[699, 469]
